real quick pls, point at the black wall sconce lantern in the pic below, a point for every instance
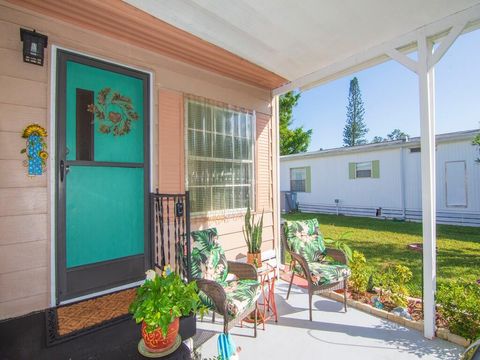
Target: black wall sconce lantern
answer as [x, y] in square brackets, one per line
[33, 45]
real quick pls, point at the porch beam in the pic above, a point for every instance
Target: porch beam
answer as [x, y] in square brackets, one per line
[446, 43]
[403, 59]
[376, 54]
[426, 82]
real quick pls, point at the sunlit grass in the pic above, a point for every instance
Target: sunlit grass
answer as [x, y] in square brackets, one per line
[384, 241]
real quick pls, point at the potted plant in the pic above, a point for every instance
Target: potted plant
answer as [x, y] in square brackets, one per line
[159, 304]
[253, 238]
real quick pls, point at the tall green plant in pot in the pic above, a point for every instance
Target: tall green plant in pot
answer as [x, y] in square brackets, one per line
[253, 238]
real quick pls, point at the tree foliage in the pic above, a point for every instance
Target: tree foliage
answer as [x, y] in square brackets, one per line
[355, 128]
[396, 134]
[476, 141]
[296, 140]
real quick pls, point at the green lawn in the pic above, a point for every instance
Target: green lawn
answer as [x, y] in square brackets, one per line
[385, 241]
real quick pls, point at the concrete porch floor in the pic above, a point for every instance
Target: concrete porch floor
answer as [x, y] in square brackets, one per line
[332, 334]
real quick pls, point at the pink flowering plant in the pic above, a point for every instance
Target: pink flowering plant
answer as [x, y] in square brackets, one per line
[161, 299]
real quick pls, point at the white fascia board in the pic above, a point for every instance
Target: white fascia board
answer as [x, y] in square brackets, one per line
[412, 142]
[377, 54]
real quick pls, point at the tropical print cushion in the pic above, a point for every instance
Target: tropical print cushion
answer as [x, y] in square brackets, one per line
[208, 258]
[325, 273]
[304, 238]
[241, 295]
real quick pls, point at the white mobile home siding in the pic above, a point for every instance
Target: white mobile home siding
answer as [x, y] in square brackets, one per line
[363, 196]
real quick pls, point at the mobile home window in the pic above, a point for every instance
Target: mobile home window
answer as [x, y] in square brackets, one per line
[220, 152]
[363, 169]
[456, 183]
[299, 179]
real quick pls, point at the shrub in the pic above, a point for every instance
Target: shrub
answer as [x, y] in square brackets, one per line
[460, 305]
[360, 272]
[393, 280]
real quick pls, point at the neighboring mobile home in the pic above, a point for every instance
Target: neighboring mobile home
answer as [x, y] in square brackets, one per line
[383, 179]
[200, 119]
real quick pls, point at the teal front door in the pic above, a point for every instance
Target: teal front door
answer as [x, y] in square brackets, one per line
[102, 175]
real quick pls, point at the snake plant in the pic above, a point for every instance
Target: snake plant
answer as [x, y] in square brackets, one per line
[253, 232]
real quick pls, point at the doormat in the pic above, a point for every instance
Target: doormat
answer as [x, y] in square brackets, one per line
[69, 321]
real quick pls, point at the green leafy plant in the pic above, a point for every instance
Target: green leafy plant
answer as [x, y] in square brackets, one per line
[341, 245]
[253, 232]
[460, 305]
[476, 141]
[360, 275]
[161, 299]
[393, 281]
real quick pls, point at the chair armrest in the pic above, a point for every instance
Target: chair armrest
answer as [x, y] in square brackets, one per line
[242, 270]
[215, 292]
[303, 264]
[337, 255]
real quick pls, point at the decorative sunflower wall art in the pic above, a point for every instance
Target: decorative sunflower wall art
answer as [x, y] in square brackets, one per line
[114, 112]
[36, 149]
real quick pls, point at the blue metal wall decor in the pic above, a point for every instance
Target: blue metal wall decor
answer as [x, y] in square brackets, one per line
[36, 149]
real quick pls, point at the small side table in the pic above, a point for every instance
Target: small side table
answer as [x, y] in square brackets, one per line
[267, 309]
[267, 275]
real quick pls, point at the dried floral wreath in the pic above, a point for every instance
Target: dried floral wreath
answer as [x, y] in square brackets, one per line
[114, 112]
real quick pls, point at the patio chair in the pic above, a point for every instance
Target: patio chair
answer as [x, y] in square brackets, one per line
[234, 299]
[304, 242]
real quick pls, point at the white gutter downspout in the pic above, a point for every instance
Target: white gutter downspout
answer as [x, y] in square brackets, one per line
[402, 182]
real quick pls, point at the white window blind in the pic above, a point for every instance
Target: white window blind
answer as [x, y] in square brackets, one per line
[364, 169]
[298, 178]
[220, 152]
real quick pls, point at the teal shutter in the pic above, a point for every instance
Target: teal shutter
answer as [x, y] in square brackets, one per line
[351, 170]
[376, 169]
[308, 179]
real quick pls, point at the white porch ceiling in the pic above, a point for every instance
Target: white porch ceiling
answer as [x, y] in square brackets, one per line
[294, 39]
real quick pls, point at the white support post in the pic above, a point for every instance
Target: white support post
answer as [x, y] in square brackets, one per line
[276, 175]
[426, 82]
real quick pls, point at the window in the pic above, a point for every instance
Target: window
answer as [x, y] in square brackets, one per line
[300, 179]
[456, 183]
[220, 148]
[365, 169]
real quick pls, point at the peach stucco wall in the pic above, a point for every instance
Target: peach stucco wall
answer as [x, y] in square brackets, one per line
[25, 90]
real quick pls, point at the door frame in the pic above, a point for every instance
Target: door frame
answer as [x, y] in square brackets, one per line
[57, 248]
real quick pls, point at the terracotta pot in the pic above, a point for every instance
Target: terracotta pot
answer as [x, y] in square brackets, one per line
[156, 342]
[255, 259]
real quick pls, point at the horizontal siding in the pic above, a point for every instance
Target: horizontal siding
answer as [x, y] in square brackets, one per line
[16, 256]
[22, 228]
[25, 283]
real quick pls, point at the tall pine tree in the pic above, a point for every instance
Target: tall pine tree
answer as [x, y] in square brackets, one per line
[355, 128]
[292, 141]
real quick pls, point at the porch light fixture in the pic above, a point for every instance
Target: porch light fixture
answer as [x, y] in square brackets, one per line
[33, 45]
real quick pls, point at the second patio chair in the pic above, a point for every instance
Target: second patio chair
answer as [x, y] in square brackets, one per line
[304, 242]
[233, 299]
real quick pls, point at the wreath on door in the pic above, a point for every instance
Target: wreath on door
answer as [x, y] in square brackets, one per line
[114, 112]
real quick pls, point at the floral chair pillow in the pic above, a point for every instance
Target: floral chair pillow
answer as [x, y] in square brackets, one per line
[208, 258]
[304, 238]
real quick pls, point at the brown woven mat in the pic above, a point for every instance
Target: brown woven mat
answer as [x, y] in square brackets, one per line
[90, 313]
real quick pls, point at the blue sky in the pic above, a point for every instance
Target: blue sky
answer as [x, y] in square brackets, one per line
[390, 96]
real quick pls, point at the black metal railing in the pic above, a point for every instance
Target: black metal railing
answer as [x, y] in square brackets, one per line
[171, 232]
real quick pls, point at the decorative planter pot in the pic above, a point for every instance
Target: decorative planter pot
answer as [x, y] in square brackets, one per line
[188, 327]
[156, 342]
[255, 259]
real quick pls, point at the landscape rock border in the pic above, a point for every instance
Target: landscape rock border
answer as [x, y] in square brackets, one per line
[441, 333]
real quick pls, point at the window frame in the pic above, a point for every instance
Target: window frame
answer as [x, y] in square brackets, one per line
[304, 168]
[465, 183]
[371, 170]
[223, 107]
